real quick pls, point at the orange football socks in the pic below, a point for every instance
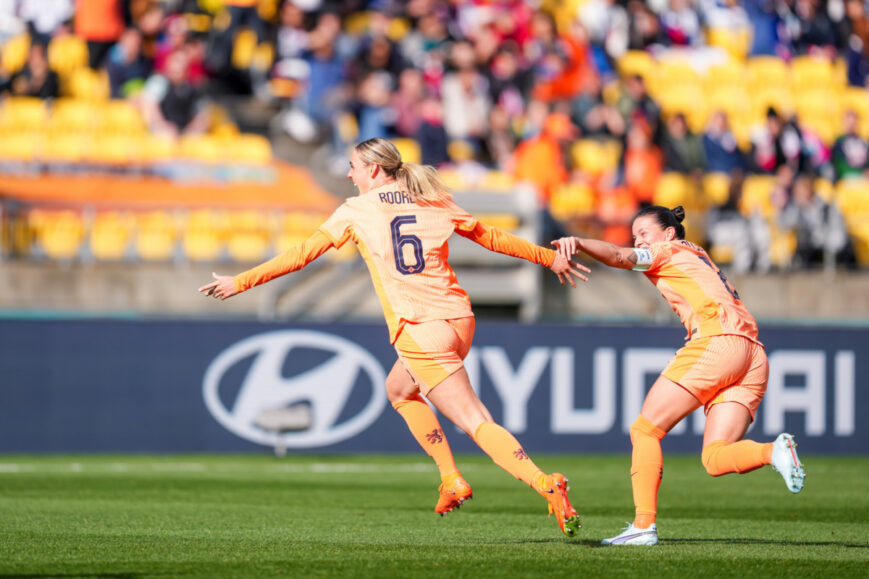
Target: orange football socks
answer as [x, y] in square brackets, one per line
[427, 431]
[722, 457]
[647, 468]
[503, 448]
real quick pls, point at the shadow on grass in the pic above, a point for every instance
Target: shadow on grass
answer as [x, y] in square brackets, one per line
[765, 542]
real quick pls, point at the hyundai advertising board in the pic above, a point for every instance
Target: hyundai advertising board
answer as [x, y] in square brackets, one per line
[116, 386]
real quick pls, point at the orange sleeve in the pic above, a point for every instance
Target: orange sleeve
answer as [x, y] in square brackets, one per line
[289, 261]
[495, 239]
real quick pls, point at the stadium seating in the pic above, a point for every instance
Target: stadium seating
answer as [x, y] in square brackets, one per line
[757, 193]
[155, 236]
[409, 149]
[595, 157]
[571, 201]
[59, 234]
[202, 236]
[110, 235]
[14, 53]
[247, 236]
[23, 114]
[716, 188]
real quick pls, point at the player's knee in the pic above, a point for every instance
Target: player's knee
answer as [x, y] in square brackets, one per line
[642, 427]
[398, 389]
[709, 459]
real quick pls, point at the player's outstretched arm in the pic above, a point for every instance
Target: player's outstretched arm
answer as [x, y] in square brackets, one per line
[500, 241]
[602, 251]
[225, 286]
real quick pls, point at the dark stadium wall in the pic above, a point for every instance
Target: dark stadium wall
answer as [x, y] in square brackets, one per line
[172, 386]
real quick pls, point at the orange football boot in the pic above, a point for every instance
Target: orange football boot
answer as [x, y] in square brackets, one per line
[554, 489]
[454, 490]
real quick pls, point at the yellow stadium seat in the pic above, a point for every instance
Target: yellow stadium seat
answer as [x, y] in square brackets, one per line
[825, 189]
[73, 115]
[675, 189]
[203, 235]
[730, 75]
[247, 235]
[110, 235]
[817, 101]
[596, 157]
[263, 57]
[671, 79]
[757, 195]
[860, 238]
[767, 71]
[505, 221]
[852, 197]
[730, 99]
[202, 148]
[253, 149]
[114, 149]
[243, 49]
[736, 43]
[15, 52]
[23, 114]
[778, 97]
[21, 147]
[409, 150]
[156, 149]
[87, 84]
[495, 181]
[636, 63]
[59, 233]
[716, 188]
[67, 147]
[67, 53]
[121, 117]
[809, 72]
[156, 233]
[572, 200]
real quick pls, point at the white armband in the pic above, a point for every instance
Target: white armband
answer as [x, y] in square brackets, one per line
[644, 259]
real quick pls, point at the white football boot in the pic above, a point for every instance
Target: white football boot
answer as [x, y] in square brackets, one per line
[786, 462]
[634, 536]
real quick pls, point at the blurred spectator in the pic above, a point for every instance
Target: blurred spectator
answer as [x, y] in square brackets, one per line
[100, 23]
[681, 24]
[127, 67]
[432, 136]
[35, 79]
[607, 24]
[501, 139]
[747, 239]
[636, 104]
[405, 102]
[725, 14]
[10, 21]
[565, 64]
[378, 53]
[850, 151]
[857, 51]
[809, 29]
[509, 84]
[719, 146]
[425, 47]
[243, 13]
[171, 105]
[45, 17]
[822, 238]
[465, 97]
[594, 116]
[643, 163]
[683, 150]
[645, 28]
[174, 38]
[374, 115]
[540, 160]
[778, 144]
[765, 27]
[614, 210]
[323, 91]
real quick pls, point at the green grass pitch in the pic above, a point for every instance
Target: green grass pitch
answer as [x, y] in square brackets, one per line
[372, 516]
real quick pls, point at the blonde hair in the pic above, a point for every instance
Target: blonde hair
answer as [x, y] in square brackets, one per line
[418, 181]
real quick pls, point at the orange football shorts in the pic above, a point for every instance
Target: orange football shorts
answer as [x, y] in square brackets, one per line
[717, 369]
[432, 351]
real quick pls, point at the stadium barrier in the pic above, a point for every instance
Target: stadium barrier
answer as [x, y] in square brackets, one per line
[188, 386]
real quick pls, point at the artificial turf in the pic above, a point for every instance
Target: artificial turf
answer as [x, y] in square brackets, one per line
[372, 516]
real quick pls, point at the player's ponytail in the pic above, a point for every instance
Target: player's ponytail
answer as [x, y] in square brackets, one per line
[418, 181]
[666, 217]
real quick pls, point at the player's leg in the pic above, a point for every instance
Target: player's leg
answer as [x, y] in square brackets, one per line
[456, 400]
[729, 415]
[403, 393]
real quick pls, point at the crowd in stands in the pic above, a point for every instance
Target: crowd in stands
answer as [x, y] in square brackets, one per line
[753, 114]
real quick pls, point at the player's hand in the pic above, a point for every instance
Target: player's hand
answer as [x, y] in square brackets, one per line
[567, 270]
[221, 288]
[567, 247]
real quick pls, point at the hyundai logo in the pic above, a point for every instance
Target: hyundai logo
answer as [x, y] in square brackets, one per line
[325, 389]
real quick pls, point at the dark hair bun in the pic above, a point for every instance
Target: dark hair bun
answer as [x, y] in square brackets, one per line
[678, 213]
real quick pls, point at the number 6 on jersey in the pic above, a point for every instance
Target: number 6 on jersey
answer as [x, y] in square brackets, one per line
[398, 243]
